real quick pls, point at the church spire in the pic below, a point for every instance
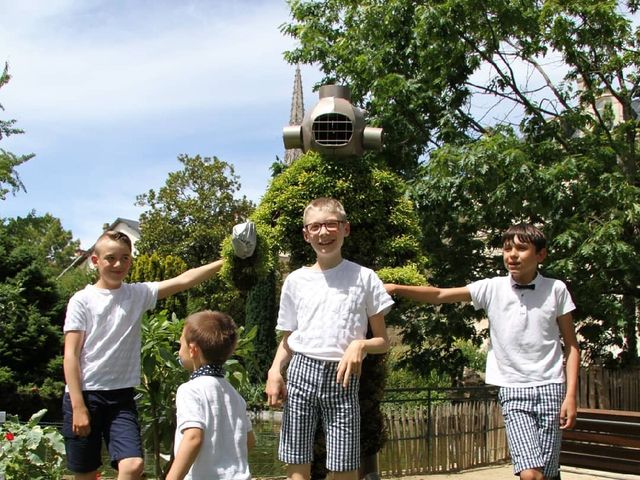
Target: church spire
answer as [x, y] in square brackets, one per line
[297, 115]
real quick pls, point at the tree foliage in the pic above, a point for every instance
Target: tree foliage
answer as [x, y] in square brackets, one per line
[9, 178]
[189, 218]
[522, 110]
[31, 312]
[193, 212]
[153, 268]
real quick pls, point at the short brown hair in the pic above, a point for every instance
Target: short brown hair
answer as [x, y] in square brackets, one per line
[115, 236]
[527, 233]
[325, 204]
[214, 333]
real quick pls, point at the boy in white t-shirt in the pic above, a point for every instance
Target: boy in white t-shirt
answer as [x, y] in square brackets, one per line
[213, 431]
[324, 313]
[528, 315]
[102, 359]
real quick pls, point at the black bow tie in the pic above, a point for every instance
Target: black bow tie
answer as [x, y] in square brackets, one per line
[517, 286]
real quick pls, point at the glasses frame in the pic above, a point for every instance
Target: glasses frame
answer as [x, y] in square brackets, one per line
[323, 224]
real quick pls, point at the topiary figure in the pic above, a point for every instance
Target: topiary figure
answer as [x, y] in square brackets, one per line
[384, 233]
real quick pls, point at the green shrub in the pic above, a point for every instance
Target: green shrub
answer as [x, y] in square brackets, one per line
[29, 451]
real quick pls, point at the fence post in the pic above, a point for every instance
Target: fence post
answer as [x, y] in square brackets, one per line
[430, 443]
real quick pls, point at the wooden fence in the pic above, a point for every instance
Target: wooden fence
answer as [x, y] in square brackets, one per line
[443, 434]
[444, 430]
[606, 389]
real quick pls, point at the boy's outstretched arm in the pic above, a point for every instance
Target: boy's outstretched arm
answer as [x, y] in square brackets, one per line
[568, 411]
[351, 362]
[275, 387]
[188, 279]
[192, 439]
[432, 295]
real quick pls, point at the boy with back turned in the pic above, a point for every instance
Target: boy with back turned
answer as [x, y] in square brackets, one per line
[528, 314]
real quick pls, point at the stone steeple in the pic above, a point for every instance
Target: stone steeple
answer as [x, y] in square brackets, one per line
[297, 115]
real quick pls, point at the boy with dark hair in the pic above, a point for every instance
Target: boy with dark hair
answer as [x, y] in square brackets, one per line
[324, 313]
[213, 431]
[528, 315]
[102, 359]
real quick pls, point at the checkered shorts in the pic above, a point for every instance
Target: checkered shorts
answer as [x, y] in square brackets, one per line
[312, 394]
[532, 419]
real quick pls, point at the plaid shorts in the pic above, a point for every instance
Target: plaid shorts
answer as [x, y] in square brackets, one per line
[532, 420]
[313, 394]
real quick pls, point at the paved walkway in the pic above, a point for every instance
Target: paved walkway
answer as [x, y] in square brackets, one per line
[505, 472]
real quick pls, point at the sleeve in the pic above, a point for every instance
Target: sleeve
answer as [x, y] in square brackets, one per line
[480, 292]
[77, 314]
[150, 292]
[564, 300]
[189, 408]
[287, 317]
[378, 300]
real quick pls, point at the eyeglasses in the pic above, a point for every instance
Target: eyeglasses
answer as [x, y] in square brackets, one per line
[331, 226]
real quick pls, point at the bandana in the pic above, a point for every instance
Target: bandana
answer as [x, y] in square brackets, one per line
[210, 370]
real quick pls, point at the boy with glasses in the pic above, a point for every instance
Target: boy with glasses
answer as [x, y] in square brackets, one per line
[324, 313]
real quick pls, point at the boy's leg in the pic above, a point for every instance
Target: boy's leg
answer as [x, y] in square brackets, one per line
[519, 412]
[352, 475]
[550, 401]
[341, 417]
[532, 420]
[299, 472]
[300, 413]
[83, 453]
[123, 435]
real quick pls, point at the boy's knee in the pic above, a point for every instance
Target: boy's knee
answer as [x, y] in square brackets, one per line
[531, 474]
[131, 468]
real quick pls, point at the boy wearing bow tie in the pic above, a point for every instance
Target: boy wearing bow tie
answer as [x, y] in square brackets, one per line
[529, 321]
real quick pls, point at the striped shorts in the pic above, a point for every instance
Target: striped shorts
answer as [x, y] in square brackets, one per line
[313, 394]
[532, 420]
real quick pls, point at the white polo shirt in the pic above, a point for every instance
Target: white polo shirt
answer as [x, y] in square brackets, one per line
[525, 349]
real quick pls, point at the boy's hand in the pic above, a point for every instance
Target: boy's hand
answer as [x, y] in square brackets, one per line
[81, 425]
[275, 389]
[351, 362]
[568, 413]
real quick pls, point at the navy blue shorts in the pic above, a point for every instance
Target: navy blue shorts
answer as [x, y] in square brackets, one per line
[114, 418]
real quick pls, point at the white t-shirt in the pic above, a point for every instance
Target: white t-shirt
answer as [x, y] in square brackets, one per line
[525, 349]
[327, 310]
[110, 320]
[214, 406]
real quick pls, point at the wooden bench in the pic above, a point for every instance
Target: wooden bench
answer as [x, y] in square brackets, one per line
[607, 440]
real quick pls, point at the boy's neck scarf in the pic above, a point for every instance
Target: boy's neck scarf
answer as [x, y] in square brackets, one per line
[210, 370]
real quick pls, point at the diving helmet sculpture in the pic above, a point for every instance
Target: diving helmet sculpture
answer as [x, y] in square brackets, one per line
[334, 126]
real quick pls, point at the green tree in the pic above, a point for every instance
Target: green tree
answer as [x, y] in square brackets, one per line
[522, 111]
[9, 178]
[152, 268]
[47, 236]
[189, 217]
[193, 212]
[31, 313]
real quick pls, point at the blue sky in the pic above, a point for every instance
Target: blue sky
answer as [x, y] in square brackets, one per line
[109, 93]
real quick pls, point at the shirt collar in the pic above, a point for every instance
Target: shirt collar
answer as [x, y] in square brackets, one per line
[209, 370]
